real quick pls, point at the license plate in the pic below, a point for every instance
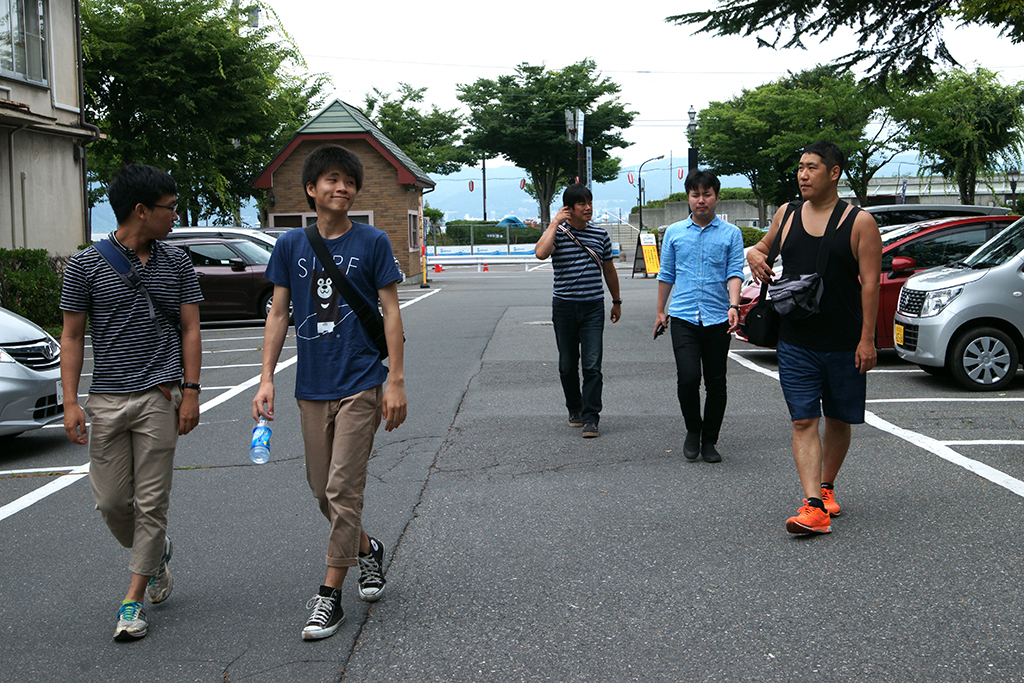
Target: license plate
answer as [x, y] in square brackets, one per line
[898, 333]
[60, 393]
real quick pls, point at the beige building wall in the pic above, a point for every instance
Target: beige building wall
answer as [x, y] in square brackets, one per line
[42, 193]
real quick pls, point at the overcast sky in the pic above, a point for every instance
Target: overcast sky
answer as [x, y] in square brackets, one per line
[662, 68]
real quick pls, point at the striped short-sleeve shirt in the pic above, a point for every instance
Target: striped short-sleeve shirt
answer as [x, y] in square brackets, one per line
[128, 355]
[577, 276]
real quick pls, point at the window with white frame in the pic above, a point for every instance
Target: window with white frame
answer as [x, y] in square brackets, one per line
[414, 230]
[23, 40]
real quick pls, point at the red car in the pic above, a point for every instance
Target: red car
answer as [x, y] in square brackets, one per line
[907, 249]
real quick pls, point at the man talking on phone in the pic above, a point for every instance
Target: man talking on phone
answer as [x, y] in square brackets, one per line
[581, 253]
[702, 267]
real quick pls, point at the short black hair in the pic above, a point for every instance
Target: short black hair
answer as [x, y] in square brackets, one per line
[327, 158]
[702, 179]
[829, 152]
[136, 184]
[576, 193]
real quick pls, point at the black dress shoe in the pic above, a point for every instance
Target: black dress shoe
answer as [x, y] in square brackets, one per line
[691, 447]
[710, 454]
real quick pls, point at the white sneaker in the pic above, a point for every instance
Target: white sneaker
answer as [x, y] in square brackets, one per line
[131, 622]
[161, 583]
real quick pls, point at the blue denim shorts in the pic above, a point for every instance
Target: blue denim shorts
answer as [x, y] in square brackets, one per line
[816, 382]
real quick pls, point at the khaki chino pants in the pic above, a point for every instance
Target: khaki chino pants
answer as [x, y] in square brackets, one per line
[338, 438]
[131, 453]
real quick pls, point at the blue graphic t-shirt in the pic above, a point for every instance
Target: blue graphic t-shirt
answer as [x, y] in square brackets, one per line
[337, 358]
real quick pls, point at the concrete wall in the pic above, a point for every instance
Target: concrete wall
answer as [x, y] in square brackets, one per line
[738, 212]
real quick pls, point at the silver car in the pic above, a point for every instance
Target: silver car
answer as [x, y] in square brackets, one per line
[30, 391]
[968, 318]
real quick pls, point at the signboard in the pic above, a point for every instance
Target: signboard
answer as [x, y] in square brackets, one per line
[646, 259]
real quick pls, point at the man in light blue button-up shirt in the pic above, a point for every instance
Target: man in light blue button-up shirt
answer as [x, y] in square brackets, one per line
[702, 268]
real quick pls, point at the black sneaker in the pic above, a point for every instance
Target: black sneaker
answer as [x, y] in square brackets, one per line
[575, 420]
[691, 447]
[710, 453]
[371, 572]
[590, 431]
[326, 616]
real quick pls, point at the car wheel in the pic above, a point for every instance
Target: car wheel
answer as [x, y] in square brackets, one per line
[267, 301]
[984, 359]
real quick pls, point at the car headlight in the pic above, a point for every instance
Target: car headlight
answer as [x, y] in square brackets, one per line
[935, 302]
[6, 357]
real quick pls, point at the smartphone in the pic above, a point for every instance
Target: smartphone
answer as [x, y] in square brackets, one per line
[659, 330]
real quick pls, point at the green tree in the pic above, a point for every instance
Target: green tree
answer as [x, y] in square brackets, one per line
[968, 123]
[433, 216]
[430, 139]
[188, 86]
[858, 116]
[740, 137]
[900, 36]
[521, 117]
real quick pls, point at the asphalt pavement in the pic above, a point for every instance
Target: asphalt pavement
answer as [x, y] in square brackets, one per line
[517, 551]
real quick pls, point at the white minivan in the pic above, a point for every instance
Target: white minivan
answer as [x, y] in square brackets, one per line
[967, 318]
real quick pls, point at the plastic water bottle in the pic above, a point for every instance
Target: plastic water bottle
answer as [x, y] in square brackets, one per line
[259, 450]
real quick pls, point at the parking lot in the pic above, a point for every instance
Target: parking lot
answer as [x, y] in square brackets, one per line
[519, 552]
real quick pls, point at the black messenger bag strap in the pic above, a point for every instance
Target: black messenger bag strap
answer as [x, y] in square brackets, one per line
[120, 264]
[368, 315]
[777, 245]
[830, 231]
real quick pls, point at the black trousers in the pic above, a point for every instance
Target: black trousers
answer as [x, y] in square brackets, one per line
[696, 346]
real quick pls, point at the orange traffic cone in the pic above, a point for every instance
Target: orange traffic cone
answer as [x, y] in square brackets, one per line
[438, 268]
[486, 269]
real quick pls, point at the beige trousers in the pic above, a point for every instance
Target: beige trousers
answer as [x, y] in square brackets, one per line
[338, 437]
[131, 453]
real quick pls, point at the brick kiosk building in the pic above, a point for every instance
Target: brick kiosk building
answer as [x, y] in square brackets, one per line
[393, 187]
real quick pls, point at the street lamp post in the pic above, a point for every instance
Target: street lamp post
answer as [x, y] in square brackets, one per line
[1013, 175]
[640, 190]
[691, 128]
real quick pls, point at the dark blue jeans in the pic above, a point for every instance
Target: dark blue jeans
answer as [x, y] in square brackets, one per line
[579, 332]
[696, 346]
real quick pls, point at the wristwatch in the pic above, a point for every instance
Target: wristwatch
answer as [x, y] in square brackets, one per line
[616, 302]
[192, 385]
[736, 306]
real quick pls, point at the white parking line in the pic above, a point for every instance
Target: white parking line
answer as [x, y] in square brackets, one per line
[929, 444]
[81, 471]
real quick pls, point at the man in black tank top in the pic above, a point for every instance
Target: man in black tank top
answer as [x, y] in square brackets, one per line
[824, 358]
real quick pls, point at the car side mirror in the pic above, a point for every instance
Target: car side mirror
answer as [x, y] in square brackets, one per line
[237, 264]
[901, 264]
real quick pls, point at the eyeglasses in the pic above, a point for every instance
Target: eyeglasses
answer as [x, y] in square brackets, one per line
[173, 208]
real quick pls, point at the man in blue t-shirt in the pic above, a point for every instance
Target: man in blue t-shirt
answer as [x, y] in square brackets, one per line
[339, 383]
[702, 266]
[581, 253]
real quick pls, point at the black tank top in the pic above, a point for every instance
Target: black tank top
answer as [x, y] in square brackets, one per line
[837, 325]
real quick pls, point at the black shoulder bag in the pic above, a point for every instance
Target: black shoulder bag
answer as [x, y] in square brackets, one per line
[798, 296]
[120, 264]
[762, 320]
[368, 315]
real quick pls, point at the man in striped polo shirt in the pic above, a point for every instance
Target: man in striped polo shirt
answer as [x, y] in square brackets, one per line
[580, 254]
[138, 403]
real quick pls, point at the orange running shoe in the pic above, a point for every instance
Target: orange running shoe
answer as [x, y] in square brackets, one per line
[828, 497]
[809, 520]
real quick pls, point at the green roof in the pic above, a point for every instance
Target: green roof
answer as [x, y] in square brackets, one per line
[340, 117]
